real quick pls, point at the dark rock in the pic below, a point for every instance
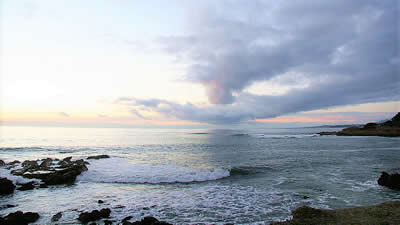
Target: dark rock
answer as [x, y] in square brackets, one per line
[389, 180]
[148, 220]
[20, 218]
[126, 218]
[2, 163]
[7, 206]
[107, 222]
[66, 174]
[86, 217]
[98, 157]
[26, 186]
[146, 208]
[100, 201]
[119, 207]
[370, 126]
[46, 163]
[306, 197]
[93, 224]
[29, 164]
[56, 217]
[43, 185]
[6, 186]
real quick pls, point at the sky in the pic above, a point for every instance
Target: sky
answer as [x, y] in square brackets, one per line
[175, 63]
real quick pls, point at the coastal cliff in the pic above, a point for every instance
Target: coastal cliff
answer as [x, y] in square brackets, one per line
[390, 128]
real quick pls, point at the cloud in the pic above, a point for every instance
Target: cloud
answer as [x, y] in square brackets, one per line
[64, 114]
[345, 52]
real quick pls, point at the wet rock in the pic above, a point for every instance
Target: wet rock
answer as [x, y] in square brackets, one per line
[56, 217]
[26, 186]
[98, 157]
[126, 218]
[100, 201]
[2, 163]
[7, 207]
[148, 220]
[93, 224]
[65, 174]
[6, 186]
[43, 185]
[389, 180]
[108, 222]
[306, 197]
[27, 164]
[46, 163]
[19, 218]
[86, 217]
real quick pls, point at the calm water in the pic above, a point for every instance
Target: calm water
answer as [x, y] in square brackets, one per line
[203, 176]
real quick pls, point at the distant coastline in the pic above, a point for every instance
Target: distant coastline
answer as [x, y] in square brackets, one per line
[390, 128]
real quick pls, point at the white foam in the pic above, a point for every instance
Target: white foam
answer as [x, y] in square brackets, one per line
[16, 179]
[115, 170]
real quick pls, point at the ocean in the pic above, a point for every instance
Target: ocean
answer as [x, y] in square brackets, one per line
[200, 176]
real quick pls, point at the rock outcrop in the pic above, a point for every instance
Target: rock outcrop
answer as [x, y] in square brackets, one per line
[98, 157]
[51, 173]
[385, 213]
[148, 220]
[390, 180]
[6, 186]
[86, 217]
[19, 218]
[390, 128]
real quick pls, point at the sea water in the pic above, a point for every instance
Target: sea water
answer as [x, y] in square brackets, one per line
[193, 176]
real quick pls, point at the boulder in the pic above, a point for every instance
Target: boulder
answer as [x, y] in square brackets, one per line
[86, 217]
[65, 174]
[6, 186]
[56, 217]
[26, 186]
[98, 157]
[46, 163]
[390, 180]
[19, 218]
[2, 163]
[148, 220]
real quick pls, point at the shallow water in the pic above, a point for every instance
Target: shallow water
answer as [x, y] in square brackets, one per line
[203, 176]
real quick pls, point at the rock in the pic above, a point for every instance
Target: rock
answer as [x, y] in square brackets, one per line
[306, 197]
[148, 220]
[389, 180]
[2, 163]
[46, 163]
[93, 224]
[126, 218]
[370, 126]
[100, 201]
[29, 164]
[7, 206]
[43, 185]
[20, 218]
[6, 186]
[385, 213]
[56, 217]
[108, 222]
[86, 217]
[98, 157]
[65, 174]
[26, 186]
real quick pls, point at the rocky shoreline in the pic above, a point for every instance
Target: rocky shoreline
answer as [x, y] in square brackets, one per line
[48, 172]
[390, 128]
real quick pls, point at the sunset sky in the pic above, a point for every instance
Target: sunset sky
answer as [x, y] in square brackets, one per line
[209, 62]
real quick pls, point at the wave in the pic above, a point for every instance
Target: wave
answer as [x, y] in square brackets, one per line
[247, 170]
[20, 148]
[115, 170]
